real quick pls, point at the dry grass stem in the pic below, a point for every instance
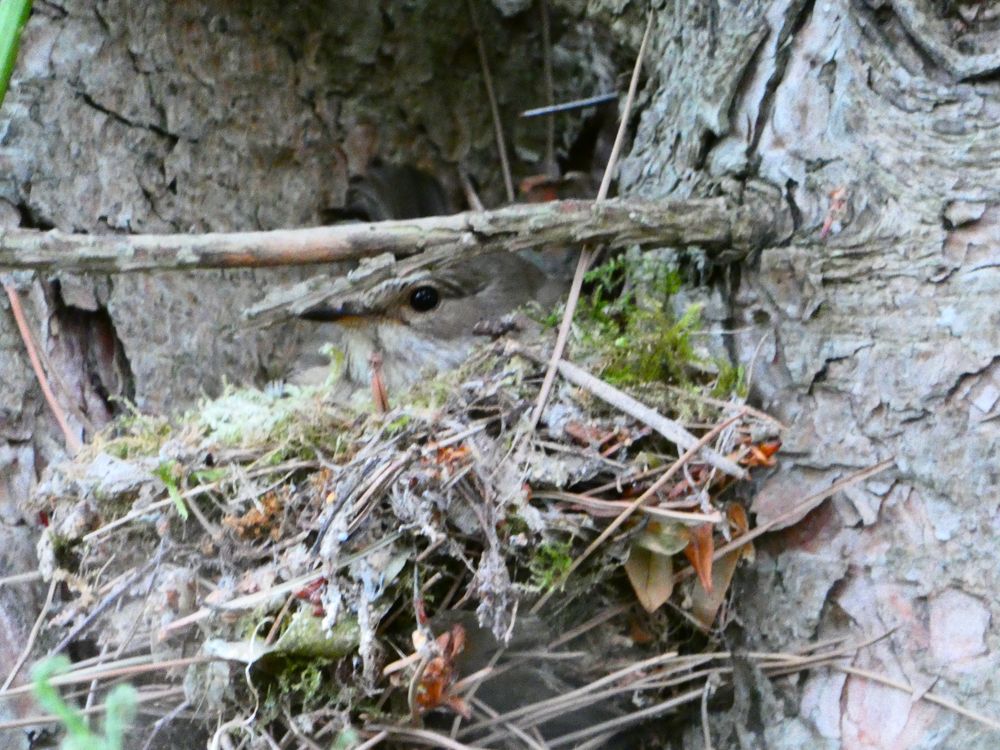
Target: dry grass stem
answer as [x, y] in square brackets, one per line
[16, 578]
[668, 428]
[73, 443]
[615, 507]
[587, 254]
[707, 438]
[144, 696]
[32, 636]
[374, 741]
[928, 696]
[484, 65]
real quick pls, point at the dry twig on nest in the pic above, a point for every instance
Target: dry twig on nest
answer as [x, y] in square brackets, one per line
[714, 224]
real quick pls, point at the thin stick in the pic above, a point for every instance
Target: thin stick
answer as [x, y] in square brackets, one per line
[32, 636]
[715, 224]
[163, 721]
[550, 124]
[143, 697]
[60, 385]
[927, 696]
[668, 428]
[624, 515]
[20, 578]
[425, 737]
[375, 739]
[619, 676]
[73, 443]
[111, 672]
[193, 492]
[633, 86]
[706, 732]
[515, 730]
[616, 506]
[761, 415]
[587, 254]
[624, 721]
[484, 64]
[108, 600]
[593, 622]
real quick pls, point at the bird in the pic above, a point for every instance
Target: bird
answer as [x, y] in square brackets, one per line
[424, 322]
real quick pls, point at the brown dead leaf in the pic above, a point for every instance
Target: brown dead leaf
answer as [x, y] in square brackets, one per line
[699, 553]
[434, 688]
[705, 602]
[651, 576]
[762, 455]
[739, 524]
[263, 519]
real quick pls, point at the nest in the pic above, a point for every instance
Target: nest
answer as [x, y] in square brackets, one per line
[277, 570]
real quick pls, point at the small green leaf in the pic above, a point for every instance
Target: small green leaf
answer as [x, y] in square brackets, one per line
[165, 473]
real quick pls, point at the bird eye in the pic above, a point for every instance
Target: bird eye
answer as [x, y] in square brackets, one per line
[424, 298]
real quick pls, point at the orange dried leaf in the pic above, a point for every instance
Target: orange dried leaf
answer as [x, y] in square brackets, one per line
[739, 523]
[380, 394]
[738, 520]
[699, 553]
[439, 675]
[762, 455]
[452, 454]
[705, 603]
[651, 576]
[262, 519]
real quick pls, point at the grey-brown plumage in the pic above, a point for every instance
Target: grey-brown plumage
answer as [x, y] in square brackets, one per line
[426, 320]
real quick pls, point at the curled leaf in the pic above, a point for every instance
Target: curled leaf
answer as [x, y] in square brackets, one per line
[651, 575]
[664, 538]
[699, 552]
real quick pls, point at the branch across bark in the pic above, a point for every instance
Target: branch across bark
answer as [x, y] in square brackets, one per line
[714, 224]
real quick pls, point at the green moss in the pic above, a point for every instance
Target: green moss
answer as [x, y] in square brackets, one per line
[731, 381]
[550, 563]
[135, 435]
[297, 670]
[64, 551]
[654, 348]
[626, 320]
[398, 424]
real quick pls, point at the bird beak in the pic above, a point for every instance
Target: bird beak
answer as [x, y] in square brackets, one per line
[346, 313]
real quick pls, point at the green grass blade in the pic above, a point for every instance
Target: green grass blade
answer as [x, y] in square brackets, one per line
[13, 15]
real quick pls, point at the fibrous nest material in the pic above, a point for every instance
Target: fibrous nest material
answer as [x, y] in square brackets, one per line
[279, 570]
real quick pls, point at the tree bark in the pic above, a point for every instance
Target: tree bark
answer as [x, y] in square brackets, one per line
[873, 333]
[177, 117]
